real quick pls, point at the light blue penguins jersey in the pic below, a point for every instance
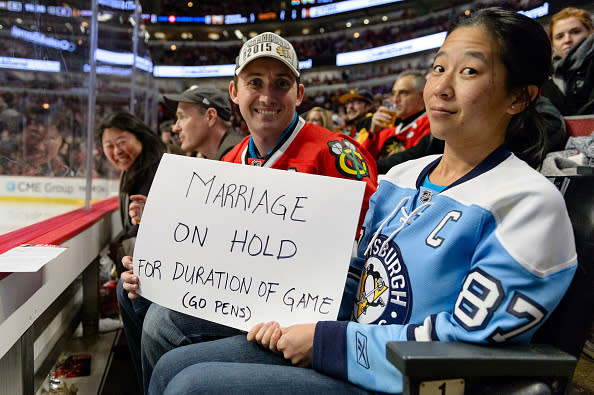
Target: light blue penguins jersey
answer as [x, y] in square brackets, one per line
[484, 261]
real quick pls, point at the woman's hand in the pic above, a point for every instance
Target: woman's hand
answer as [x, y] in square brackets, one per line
[130, 280]
[266, 334]
[136, 207]
[296, 344]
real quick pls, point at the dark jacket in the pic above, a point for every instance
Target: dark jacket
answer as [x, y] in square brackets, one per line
[230, 139]
[428, 145]
[576, 71]
[141, 186]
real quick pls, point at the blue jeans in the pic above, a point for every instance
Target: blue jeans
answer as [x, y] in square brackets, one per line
[234, 365]
[132, 312]
[166, 329]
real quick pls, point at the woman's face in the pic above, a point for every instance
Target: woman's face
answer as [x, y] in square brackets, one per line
[465, 95]
[316, 118]
[121, 147]
[566, 33]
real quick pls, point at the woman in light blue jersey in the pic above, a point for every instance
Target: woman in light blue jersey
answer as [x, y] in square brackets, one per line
[473, 245]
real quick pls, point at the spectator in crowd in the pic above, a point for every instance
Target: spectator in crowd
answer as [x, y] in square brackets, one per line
[438, 230]
[321, 117]
[358, 105]
[571, 87]
[267, 90]
[11, 118]
[8, 145]
[133, 148]
[401, 127]
[166, 132]
[166, 135]
[203, 121]
[41, 142]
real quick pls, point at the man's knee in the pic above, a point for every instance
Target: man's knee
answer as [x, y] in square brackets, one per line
[154, 321]
[160, 327]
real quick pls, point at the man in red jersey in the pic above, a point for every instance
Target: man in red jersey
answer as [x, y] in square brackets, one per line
[267, 90]
[387, 137]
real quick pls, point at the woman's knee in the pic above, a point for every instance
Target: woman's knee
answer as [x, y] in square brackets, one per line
[167, 367]
[202, 378]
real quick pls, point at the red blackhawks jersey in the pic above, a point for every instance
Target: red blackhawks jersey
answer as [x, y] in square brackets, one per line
[389, 141]
[312, 149]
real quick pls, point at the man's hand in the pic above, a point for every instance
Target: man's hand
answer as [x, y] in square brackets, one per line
[130, 280]
[381, 119]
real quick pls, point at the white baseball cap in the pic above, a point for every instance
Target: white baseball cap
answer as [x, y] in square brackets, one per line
[269, 45]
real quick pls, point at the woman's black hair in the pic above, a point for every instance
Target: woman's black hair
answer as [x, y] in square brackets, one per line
[152, 146]
[526, 54]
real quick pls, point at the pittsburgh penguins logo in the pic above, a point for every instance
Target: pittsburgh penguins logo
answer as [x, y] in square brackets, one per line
[349, 161]
[370, 297]
[384, 295]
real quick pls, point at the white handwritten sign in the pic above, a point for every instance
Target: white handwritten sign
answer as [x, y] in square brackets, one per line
[240, 245]
[29, 257]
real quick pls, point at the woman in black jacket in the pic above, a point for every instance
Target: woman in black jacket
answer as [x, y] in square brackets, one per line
[136, 150]
[571, 87]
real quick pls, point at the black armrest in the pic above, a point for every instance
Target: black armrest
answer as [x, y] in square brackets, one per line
[422, 361]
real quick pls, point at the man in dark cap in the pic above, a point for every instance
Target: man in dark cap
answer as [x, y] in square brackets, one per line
[203, 121]
[358, 111]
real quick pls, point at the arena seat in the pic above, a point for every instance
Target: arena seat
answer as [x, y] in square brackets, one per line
[579, 125]
[546, 365]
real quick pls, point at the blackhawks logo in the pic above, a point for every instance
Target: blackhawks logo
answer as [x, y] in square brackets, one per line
[391, 147]
[349, 160]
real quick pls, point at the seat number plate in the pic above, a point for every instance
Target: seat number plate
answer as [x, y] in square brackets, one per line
[442, 387]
